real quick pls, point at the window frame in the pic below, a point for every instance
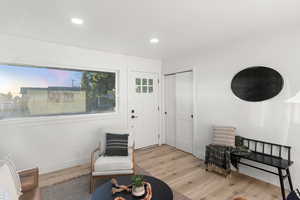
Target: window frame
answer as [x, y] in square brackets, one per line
[68, 117]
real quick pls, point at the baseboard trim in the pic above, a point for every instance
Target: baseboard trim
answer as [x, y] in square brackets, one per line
[149, 147]
[64, 165]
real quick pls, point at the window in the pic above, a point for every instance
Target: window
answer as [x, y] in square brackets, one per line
[27, 91]
[68, 97]
[138, 85]
[144, 85]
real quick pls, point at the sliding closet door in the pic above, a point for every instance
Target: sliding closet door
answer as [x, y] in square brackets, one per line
[184, 111]
[170, 109]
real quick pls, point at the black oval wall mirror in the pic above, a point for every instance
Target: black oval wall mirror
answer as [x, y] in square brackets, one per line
[257, 84]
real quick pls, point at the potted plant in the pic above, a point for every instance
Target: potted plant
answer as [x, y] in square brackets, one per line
[138, 188]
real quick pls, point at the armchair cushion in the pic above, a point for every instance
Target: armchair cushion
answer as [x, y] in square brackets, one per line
[13, 171]
[102, 137]
[7, 186]
[113, 173]
[113, 164]
[116, 144]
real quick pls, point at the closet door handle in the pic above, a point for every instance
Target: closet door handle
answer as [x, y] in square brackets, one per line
[192, 116]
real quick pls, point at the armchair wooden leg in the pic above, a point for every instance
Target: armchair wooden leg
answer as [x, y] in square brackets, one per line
[92, 184]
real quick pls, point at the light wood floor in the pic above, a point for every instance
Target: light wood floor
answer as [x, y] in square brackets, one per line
[186, 174]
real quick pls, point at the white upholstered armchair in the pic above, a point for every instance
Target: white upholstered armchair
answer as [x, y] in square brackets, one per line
[111, 166]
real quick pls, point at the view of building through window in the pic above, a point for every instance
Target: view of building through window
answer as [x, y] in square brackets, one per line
[38, 91]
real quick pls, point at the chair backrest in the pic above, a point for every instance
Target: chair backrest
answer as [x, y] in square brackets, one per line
[224, 135]
[102, 137]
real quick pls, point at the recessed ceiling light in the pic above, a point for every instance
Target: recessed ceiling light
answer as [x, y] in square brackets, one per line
[77, 21]
[154, 40]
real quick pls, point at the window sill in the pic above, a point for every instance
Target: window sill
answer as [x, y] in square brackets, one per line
[58, 119]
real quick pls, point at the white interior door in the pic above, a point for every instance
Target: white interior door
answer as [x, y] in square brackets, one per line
[143, 113]
[184, 111]
[170, 109]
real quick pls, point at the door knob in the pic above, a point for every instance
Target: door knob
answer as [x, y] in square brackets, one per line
[133, 116]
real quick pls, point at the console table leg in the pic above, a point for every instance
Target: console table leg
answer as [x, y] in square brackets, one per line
[281, 183]
[290, 179]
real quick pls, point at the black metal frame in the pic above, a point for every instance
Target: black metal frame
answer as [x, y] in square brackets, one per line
[246, 142]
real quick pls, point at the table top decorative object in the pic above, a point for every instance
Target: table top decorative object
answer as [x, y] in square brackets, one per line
[137, 181]
[116, 188]
[121, 189]
[119, 198]
[138, 186]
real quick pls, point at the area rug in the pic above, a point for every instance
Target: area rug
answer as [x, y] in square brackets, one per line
[78, 189]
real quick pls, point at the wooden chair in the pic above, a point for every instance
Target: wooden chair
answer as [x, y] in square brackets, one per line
[30, 184]
[24, 183]
[111, 166]
[217, 155]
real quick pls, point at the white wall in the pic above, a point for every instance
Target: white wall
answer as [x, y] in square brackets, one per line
[272, 120]
[53, 143]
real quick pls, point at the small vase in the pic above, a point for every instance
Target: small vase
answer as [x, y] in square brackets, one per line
[138, 191]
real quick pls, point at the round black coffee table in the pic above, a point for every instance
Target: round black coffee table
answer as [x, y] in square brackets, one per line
[160, 190]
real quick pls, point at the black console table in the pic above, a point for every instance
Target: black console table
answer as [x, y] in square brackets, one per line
[270, 154]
